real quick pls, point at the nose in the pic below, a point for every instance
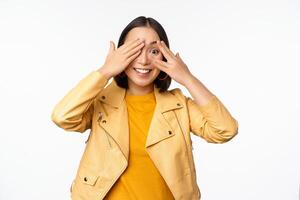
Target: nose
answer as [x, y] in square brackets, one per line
[143, 57]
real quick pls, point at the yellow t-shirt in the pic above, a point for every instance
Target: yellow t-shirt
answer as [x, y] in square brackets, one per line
[141, 180]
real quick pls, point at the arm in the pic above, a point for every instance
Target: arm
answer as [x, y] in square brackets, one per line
[74, 111]
[209, 118]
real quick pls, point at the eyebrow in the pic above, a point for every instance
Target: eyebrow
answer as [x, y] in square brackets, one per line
[153, 42]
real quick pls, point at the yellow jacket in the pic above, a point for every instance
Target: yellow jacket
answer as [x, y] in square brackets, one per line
[91, 105]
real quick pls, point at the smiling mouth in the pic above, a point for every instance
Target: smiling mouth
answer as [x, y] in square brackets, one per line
[143, 71]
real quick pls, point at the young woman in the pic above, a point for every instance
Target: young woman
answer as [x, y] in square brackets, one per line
[139, 146]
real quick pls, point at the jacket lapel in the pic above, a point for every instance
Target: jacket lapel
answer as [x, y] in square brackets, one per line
[115, 118]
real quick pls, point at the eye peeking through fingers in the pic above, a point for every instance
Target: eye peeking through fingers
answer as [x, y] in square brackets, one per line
[155, 51]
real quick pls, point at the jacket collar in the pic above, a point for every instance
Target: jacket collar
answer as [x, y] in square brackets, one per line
[114, 95]
[161, 127]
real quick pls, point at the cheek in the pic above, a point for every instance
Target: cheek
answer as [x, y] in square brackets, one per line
[130, 66]
[132, 63]
[157, 57]
[128, 69]
[160, 56]
[156, 71]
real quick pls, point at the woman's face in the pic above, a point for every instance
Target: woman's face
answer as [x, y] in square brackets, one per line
[149, 52]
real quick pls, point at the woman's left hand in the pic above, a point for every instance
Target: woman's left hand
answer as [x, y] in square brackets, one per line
[174, 67]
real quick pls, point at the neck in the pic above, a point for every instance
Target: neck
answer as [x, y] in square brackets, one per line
[140, 90]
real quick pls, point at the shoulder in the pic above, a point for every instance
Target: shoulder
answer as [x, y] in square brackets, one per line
[178, 93]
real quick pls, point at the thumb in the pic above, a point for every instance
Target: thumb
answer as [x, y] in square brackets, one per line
[112, 46]
[177, 55]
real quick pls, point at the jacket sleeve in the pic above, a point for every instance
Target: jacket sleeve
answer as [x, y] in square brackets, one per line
[74, 111]
[211, 121]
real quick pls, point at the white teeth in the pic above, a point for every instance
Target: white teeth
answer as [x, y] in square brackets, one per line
[144, 71]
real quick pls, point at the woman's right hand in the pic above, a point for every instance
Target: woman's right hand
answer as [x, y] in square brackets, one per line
[118, 59]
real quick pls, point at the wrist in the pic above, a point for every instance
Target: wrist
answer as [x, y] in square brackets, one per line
[104, 72]
[189, 80]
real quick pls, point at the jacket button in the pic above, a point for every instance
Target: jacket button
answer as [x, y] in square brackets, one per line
[103, 121]
[178, 104]
[85, 179]
[103, 97]
[170, 132]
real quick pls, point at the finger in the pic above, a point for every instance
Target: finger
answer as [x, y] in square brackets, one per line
[167, 49]
[163, 50]
[178, 56]
[112, 47]
[131, 58]
[130, 44]
[132, 51]
[161, 65]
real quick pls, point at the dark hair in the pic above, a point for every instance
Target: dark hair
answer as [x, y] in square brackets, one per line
[141, 21]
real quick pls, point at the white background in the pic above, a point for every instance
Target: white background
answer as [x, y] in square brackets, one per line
[245, 52]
